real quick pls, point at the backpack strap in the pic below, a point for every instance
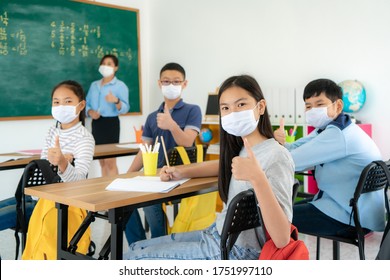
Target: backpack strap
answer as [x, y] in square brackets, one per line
[183, 155]
[199, 153]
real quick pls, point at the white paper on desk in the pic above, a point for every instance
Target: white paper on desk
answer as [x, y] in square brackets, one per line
[144, 184]
[128, 146]
[30, 152]
[9, 158]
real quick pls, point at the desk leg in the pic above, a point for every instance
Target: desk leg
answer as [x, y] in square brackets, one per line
[116, 219]
[62, 229]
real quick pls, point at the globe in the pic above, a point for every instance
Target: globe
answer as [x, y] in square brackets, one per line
[205, 135]
[354, 95]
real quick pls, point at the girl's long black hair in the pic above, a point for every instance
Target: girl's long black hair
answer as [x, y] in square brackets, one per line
[230, 145]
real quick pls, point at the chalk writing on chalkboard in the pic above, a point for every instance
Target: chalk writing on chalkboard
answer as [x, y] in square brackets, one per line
[44, 42]
[66, 39]
[71, 39]
[15, 41]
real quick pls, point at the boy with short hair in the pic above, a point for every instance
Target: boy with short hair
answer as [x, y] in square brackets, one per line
[338, 150]
[179, 123]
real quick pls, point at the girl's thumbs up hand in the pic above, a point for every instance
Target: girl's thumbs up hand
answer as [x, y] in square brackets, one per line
[55, 156]
[245, 168]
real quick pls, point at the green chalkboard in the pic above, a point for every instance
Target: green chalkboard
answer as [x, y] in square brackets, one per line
[44, 42]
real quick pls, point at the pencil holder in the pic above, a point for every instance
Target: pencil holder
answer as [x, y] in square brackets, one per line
[290, 139]
[150, 163]
[138, 136]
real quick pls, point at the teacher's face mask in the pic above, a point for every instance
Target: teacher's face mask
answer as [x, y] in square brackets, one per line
[106, 71]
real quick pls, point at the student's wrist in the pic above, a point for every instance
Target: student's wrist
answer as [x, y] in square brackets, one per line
[63, 165]
[117, 102]
[258, 177]
[174, 127]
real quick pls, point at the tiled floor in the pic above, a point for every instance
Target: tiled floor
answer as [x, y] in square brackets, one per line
[100, 232]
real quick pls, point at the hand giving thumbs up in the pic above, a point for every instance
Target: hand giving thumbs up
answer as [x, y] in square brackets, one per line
[164, 120]
[280, 133]
[246, 168]
[54, 154]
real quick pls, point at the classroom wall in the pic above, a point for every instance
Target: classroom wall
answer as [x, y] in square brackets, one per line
[282, 43]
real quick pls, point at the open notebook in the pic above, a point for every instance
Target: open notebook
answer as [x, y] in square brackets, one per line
[144, 184]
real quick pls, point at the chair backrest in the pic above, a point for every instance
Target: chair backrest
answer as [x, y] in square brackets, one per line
[295, 190]
[384, 248]
[242, 214]
[175, 155]
[374, 177]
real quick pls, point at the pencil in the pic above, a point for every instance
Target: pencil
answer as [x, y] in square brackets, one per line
[165, 150]
[155, 143]
[294, 130]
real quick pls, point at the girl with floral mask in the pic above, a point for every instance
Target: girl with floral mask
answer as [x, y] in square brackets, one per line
[249, 158]
[107, 98]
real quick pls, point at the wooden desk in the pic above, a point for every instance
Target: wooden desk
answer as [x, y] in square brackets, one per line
[101, 152]
[91, 195]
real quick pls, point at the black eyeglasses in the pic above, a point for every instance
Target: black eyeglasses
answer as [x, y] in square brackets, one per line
[175, 83]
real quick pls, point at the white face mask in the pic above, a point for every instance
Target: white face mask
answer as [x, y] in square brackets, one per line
[64, 114]
[171, 91]
[240, 123]
[106, 71]
[318, 117]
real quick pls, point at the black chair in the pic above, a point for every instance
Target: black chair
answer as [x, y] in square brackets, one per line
[295, 190]
[384, 248]
[32, 177]
[242, 214]
[36, 173]
[374, 177]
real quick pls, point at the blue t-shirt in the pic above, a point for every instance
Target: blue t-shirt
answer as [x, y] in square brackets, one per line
[96, 98]
[187, 116]
[339, 153]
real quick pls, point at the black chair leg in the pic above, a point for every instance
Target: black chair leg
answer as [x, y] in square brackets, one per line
[336, 250]
[318, 248]
[361, 250]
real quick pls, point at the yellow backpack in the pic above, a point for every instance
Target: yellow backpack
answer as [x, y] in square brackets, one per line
[197, 212]
[42, 231]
